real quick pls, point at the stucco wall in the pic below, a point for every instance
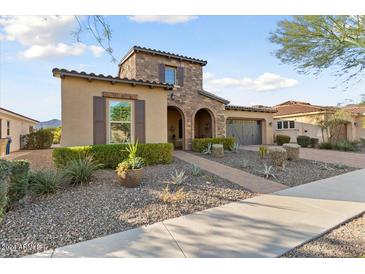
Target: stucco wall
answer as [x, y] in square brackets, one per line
[266, 118]
[304, 125]
[77, 109]
[18, 126]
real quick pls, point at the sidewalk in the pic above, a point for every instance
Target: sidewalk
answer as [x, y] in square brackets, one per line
[327, 156]
[264, 226]
[240, 177]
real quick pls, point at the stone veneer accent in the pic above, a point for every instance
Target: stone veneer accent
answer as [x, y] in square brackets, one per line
[141, 65]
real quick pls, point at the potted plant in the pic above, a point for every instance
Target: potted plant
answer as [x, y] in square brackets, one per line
[130, 171]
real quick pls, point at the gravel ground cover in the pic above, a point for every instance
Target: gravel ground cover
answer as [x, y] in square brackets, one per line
[345, 241]
[104, 207]
[295, 172]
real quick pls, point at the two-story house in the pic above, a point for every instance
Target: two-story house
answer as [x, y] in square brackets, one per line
[157, 97]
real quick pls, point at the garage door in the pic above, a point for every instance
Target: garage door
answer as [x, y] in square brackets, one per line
[246, 132]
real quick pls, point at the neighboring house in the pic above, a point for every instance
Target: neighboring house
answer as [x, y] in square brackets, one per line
[13, 124]
[295, 118]
[157, 97]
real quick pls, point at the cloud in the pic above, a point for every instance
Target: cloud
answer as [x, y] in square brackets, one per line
[264, 82]
[44, 36]
[165, 19]
[59, 50]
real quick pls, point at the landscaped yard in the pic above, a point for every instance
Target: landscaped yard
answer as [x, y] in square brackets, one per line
[295, 172]
[345, 241]
[103, 207]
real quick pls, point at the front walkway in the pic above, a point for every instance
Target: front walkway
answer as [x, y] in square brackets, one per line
[38, 159]
[264, 226]
[327, 156]
[234, 175]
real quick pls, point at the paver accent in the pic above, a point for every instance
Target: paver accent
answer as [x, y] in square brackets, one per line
[247, 180]
[327, 156]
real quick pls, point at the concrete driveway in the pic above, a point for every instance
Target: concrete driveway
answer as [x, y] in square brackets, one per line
[327, 156]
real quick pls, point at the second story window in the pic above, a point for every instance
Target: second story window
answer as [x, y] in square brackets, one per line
[170, 75]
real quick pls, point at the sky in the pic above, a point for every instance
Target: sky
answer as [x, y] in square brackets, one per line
[242, 66]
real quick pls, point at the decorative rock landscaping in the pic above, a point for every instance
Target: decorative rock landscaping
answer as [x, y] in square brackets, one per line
[293, 173]
[104, 207]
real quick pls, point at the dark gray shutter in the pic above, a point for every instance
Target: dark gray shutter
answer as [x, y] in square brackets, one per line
[180, 76]
[140, 121]
[161, 73]
[99, 116]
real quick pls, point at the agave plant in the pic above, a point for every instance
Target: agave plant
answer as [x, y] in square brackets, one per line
[235, 147]
[178, 177]
[195, 170]
[268, 172]
[208, 149]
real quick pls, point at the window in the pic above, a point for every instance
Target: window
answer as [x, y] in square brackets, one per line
[291, 124]
[8, 128]
[120, 122]
[279, 125]
[170, 75]
[285, 124]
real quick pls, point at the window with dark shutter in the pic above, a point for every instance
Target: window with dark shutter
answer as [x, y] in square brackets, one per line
[99, 119]
[140, 121]
[180, 76]
[161, 73]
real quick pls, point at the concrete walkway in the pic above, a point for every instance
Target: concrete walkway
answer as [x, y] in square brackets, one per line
[247, 180]
[327, 156]
[264, 226]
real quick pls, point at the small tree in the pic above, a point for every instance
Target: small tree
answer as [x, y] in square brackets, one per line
[331, 123]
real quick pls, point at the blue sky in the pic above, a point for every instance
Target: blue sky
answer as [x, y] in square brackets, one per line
[241, 65]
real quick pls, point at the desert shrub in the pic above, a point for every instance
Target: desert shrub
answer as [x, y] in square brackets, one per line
[81, 170]
[43, 182]
[282, 139]
[345, 146]
[292, 151]
[262, 152]
[57, 131]
[168, 196]
[201, 144]
[5, 172]
[277, 156]
[40, 139]
[314, 142]
[303, 141]
[325, 145]
[111, 155]
[18, 184]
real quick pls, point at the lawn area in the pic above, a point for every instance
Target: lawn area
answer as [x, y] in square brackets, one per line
[103, 207]
[295, 172]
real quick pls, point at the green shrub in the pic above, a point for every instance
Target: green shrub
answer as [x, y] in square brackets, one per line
[18, 184]
[314, 142]
[57, 131]
[200, 144]
[282, 139]
[325, 145]
[5, 172]
[80, 170]
[344, 146]
[40, 139]
[303, 141]
[44, 182]
[112, 154]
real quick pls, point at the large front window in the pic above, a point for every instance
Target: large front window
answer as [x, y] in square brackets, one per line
[170, 75]
[120, 121]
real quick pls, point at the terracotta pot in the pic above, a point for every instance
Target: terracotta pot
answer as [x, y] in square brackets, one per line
[132, 177]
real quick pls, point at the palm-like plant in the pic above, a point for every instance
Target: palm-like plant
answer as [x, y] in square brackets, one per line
[80, 170]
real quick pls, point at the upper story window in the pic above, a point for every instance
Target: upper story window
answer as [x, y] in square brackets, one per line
[170, 75]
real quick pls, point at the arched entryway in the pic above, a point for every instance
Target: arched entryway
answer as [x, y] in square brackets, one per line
[175, 127]
[203, 124]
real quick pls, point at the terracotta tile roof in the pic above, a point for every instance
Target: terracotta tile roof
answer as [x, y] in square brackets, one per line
[355, 109]
[90, 76]
[296, 107]
[213, 96]
[253, 109]
[17, 114]
[162, 53]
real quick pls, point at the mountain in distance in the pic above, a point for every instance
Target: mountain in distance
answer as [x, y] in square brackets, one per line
[50, 123]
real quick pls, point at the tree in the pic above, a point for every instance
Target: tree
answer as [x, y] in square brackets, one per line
[331, 123]
[315, 43]
[362, 100]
